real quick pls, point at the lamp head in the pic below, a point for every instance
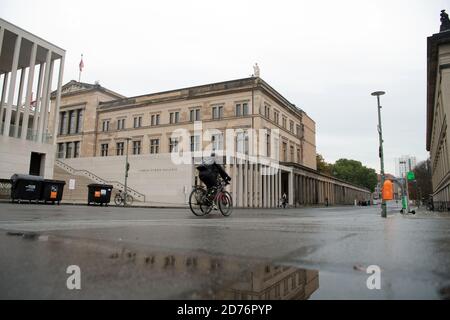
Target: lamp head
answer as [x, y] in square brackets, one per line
[378, 93]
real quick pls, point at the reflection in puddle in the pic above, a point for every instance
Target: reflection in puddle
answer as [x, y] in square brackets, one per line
[232, 278]
[129, 271]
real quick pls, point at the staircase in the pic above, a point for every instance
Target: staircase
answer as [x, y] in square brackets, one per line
[84, 177]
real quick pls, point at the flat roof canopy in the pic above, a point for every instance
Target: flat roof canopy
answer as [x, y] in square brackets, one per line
[7, 50]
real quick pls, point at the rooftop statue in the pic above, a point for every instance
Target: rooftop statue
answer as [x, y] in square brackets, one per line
[256, 70]
[445, 21]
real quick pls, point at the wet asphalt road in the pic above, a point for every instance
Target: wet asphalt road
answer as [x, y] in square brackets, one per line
[143, 253]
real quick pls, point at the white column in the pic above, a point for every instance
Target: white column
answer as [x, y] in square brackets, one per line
[279, 183]
[2, 99]
[245, 182]
[277, 198]
[291, 188]
[19, 102]
[272, 187]
[5, 78]
[48, 105]
[43, 105]
[12, 86]
[260, 181]
[251, 178]
[241, 184]
[2, 33]
[266, 189]
[37, 107]
[26, 113]
[233, 181]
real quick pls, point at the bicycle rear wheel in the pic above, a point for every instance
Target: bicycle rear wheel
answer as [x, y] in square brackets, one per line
[129, 200]
[118, 199]
[196, 201]
[225, 203]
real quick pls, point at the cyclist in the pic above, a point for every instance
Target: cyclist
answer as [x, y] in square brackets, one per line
[209, 171]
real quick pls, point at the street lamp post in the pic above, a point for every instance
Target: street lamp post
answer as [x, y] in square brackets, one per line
[380, 134]
[127, 167]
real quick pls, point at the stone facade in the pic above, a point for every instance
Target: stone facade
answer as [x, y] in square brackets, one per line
[438, 113]
[273, 142]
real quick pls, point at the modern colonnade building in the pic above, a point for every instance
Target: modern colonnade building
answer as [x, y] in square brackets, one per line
[29, 67]
[265, 132]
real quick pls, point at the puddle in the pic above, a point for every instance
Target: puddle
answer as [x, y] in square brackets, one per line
[110, 271]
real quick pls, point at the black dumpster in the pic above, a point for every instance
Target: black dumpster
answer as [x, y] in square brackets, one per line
[26, 187]
[52, 191]
[99, 193]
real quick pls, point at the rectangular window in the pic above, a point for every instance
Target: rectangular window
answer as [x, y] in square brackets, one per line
[217, 141]
[120, 124]
[104, 150]
[284, 152]
[291, 126]
[195, 143]
[69, 149]
[299, 131]
[137, 122]
[242, 142]
[76, 149]
[73, 122]
[62, 122]
[173, 145]
[60, 150]
[194, 115]
[217, 112]
[298, 156]
[292, 154]
[154, 145]
[276, 117]
[268, 145]
[238, 110]
[105, 125]
[79, 121]
[119, 148]
[154, 120]
[284, 122]
[267, 111]
[245, 109]
[136, 147]
[174, 117]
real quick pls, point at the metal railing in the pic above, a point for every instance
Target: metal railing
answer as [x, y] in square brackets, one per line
[32, 135]
[137, 195]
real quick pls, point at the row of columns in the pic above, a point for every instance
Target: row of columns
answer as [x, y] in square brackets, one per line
[40, 118]
[311, 190]
[254, 185]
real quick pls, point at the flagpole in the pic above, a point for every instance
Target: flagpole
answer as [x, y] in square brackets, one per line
[80, 67]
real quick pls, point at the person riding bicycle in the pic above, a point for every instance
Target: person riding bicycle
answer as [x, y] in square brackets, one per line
[209, 171]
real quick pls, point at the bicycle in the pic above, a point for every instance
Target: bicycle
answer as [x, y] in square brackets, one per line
[120, 197]
[201, 203]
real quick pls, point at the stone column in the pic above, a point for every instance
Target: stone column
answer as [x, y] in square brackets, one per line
[37, 107]
[26, 113]
[12, 86]
[19, 102]
[43, 104]
[3, 98]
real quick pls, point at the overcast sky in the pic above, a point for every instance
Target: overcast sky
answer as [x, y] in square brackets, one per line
[324, 56]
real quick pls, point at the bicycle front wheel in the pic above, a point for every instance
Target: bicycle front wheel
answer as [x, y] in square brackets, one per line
[225, 203]
[196, 201]
[117, 199]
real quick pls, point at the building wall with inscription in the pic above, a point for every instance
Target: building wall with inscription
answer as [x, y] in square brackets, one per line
[154, 175]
